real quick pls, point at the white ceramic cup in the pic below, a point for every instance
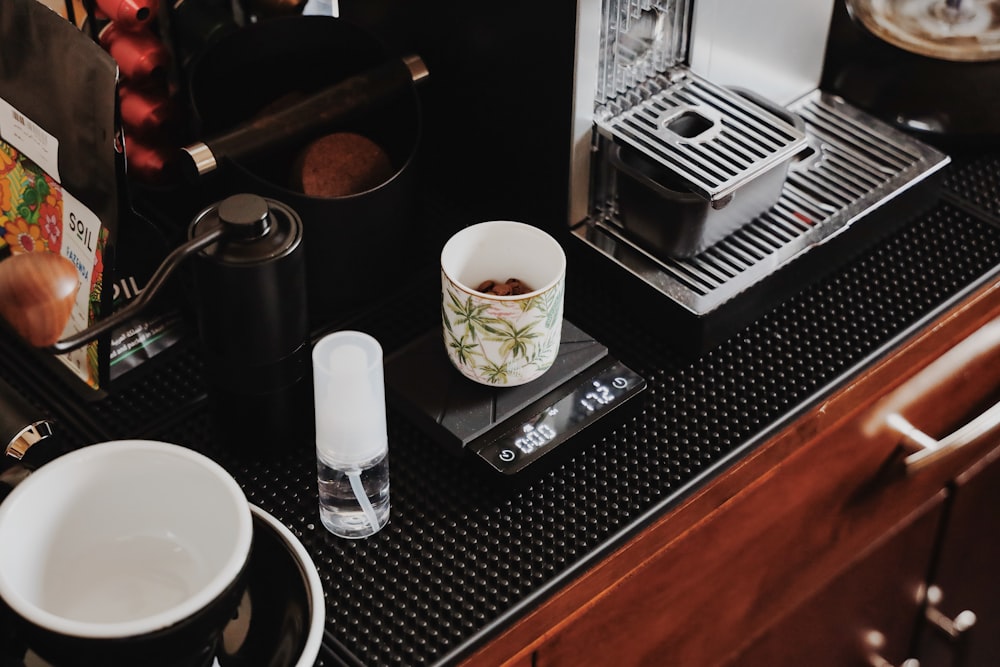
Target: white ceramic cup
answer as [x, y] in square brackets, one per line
[502, 340]
[126, 550]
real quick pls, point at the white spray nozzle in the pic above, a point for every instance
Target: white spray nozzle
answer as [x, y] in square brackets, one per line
[350, 398]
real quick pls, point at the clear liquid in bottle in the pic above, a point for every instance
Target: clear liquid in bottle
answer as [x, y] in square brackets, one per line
[340, 509]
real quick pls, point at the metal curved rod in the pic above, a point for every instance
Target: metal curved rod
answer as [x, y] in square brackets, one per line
[931, 450]
[977, 357]
[163, 271]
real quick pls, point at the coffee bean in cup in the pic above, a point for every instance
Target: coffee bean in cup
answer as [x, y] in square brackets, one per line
[511, 287]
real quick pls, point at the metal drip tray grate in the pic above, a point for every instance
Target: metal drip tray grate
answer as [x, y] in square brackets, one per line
[854, 164]
[711, 136]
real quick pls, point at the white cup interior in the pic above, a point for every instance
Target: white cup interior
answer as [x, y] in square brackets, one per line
[122, 538]
[502, 249]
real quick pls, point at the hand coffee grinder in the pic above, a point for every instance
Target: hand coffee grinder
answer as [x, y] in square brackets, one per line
[249, 289]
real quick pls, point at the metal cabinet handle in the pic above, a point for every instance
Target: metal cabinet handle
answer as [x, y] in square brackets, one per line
[930, 449]
[875, 641]
[954, 628]
[879, 661]
[980, 352]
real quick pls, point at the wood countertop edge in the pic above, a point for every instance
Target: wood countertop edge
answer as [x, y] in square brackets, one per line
[514, 647]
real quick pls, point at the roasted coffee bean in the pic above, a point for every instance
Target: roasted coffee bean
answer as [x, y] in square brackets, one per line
[516, 286]
[512, 287]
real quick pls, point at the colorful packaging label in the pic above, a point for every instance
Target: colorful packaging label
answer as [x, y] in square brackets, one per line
[38, 215]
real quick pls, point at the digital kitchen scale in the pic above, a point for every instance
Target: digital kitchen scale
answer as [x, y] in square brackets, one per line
[509, 428]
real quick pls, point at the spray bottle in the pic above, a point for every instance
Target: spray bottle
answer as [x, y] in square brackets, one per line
[351, 438]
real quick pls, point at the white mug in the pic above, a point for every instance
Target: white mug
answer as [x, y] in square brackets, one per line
[502, 340]
[126, 552]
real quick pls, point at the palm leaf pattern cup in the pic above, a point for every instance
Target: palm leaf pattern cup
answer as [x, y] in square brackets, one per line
[502, 340]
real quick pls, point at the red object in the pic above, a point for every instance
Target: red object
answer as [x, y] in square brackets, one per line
[144, 112]
[140, 55]
[150, 163]
[129, 14]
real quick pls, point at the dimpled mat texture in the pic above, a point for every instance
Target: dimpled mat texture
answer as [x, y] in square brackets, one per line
[461, 555]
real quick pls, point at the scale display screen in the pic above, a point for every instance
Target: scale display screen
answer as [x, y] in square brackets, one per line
[505, 429]
[586, 400]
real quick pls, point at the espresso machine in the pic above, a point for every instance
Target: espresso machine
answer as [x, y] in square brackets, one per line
[689, 149]
[709, 167]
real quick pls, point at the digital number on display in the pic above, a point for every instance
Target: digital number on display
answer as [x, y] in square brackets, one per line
[548, 428]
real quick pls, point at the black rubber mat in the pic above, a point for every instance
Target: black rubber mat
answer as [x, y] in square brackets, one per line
[461, 556]
[975, 182]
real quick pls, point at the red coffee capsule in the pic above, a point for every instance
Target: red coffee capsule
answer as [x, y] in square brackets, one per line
[140, 55]
[144, 112]
[129, 14]
[152, 164]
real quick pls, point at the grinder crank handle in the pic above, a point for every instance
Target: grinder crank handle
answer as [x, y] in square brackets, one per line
[322, 110]
[22, 426]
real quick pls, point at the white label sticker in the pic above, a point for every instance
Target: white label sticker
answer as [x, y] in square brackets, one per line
[28, 137]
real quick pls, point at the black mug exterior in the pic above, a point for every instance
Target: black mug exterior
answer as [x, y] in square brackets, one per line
[191, 643]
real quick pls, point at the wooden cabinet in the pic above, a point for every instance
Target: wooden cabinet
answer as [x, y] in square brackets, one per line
[927, 590]
[895, 592]
[866, 615]
[814, 548]
[967, 573]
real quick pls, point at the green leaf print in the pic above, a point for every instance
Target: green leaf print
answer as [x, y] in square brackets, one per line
[464, 351]
[445, 318]
[551, 301]
[494, 373]
[528, 304]
[514, 341]
[472, 316]
[538, 357]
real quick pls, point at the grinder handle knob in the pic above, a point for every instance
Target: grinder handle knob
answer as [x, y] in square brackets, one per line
[22, 425]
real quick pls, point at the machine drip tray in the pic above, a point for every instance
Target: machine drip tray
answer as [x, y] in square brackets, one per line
[853, 169]
[508, 428]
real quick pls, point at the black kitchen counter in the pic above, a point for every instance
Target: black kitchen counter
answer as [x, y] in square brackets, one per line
[461, 557]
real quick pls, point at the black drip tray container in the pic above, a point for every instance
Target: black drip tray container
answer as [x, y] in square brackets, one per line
[668, 220]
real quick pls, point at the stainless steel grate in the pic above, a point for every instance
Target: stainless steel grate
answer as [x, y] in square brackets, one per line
[853, 165]
[642, 39]
[712, 136]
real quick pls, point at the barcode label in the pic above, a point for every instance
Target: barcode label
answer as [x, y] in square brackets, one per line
[30, 138]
